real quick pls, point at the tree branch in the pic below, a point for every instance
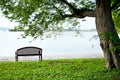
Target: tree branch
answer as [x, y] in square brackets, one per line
[67, 15]
[81, 13]
[78, 13]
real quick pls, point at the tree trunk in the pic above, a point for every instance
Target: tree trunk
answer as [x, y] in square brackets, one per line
[109, 39]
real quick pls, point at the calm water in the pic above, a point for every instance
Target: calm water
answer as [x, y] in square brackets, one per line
[65, 44]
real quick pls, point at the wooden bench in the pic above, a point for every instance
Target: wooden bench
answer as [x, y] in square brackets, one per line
[28, 51]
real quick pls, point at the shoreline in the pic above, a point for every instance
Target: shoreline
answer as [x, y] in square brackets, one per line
[50, 57]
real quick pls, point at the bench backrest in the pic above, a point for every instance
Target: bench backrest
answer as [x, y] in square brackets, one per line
[29, 51]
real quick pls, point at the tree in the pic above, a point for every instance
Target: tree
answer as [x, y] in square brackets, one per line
[42, 17]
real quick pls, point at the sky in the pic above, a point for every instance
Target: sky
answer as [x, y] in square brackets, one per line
[4, 22]
[88, 24]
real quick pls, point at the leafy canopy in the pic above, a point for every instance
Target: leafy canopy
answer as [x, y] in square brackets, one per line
[46, 17]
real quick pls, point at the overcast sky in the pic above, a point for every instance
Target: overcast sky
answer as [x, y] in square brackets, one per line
[4, 22]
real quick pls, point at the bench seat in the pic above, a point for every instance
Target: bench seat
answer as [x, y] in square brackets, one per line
[28, 51]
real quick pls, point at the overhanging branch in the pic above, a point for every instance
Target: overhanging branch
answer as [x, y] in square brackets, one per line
[81, 13]
[78, 13]
[67, 15]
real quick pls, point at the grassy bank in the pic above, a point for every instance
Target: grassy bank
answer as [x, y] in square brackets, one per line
[67, 69]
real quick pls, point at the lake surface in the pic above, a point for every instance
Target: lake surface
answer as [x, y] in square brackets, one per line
[65, 44]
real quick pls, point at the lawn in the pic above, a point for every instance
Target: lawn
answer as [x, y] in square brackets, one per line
[62, 69]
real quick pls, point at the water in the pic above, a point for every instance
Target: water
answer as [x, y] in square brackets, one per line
[65, 45]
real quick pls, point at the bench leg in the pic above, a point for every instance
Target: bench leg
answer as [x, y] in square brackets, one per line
[40, 57]
[16, 58]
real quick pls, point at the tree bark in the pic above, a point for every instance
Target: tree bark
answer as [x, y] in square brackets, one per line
[107, 33]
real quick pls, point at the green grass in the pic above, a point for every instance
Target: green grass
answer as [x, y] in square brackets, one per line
[64, 69]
